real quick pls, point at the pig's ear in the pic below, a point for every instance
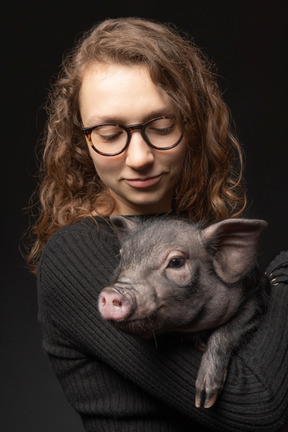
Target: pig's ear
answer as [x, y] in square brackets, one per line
[233, 245]
[123, 226]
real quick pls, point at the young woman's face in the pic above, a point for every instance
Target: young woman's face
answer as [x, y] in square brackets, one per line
[141, 179]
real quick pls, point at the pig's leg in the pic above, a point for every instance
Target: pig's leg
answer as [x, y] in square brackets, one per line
[214, 364]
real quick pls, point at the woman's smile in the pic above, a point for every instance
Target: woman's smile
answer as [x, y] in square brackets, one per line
[144, 182]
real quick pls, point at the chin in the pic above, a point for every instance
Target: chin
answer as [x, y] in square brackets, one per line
[153, 205]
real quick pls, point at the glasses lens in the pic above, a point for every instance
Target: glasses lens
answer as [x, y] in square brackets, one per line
[109, 139]
[164, 132]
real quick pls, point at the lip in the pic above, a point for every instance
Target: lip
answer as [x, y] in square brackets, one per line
[143, 182]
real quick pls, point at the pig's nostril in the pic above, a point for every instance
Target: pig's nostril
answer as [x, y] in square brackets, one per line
[103, 301]
[117, 303]
[113, 305]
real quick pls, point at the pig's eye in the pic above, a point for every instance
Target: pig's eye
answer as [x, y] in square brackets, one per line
[176, 262]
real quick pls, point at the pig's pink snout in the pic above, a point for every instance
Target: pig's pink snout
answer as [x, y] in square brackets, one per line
[113, 305]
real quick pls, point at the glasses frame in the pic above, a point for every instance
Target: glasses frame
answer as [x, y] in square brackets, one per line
[129, 130]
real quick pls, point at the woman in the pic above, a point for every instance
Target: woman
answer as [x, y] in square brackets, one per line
[137, 126]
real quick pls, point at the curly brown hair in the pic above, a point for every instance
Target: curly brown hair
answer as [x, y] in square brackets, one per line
[211, 187]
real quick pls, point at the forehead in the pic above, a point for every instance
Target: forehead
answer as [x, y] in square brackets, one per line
[162, 233]
[119, 91]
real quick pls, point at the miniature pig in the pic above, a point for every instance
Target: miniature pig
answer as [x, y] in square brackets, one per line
[176, 276]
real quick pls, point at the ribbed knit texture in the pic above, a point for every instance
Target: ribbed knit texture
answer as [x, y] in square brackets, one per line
[120, 383]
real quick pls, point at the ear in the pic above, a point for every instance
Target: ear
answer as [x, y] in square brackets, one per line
[233, 245]
[124, 226]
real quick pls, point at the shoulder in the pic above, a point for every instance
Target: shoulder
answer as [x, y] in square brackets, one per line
[86, 233]
[92, 227]
[78, 250]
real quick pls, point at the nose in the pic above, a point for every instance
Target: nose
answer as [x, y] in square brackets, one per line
[113, 305]
[139, 154]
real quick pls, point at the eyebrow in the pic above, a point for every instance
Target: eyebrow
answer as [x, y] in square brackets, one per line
[95, 120]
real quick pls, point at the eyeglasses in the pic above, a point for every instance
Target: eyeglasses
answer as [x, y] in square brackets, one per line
[111, 139]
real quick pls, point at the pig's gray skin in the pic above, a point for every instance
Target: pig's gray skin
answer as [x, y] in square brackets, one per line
[176, 276]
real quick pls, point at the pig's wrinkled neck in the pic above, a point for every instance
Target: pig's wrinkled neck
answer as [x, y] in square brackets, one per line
[219, 310]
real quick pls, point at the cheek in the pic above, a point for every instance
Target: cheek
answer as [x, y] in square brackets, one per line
[106, 168]
[180, 277]
[177, 156]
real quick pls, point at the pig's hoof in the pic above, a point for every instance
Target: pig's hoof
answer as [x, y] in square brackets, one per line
[205, 400]
[208, 386]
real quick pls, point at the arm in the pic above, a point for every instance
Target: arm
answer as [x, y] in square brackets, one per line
[80, 349]
[75, 266]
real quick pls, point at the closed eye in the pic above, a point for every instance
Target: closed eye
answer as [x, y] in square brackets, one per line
[162, 131]
[162, 126]
[108, 133]
[109, 137]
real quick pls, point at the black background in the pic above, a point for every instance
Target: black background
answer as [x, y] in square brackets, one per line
[247, 39]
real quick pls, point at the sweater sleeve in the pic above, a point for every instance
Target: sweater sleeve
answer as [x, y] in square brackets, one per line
[119, 382]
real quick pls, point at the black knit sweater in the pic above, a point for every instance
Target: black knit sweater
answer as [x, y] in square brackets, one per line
[121, 383]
